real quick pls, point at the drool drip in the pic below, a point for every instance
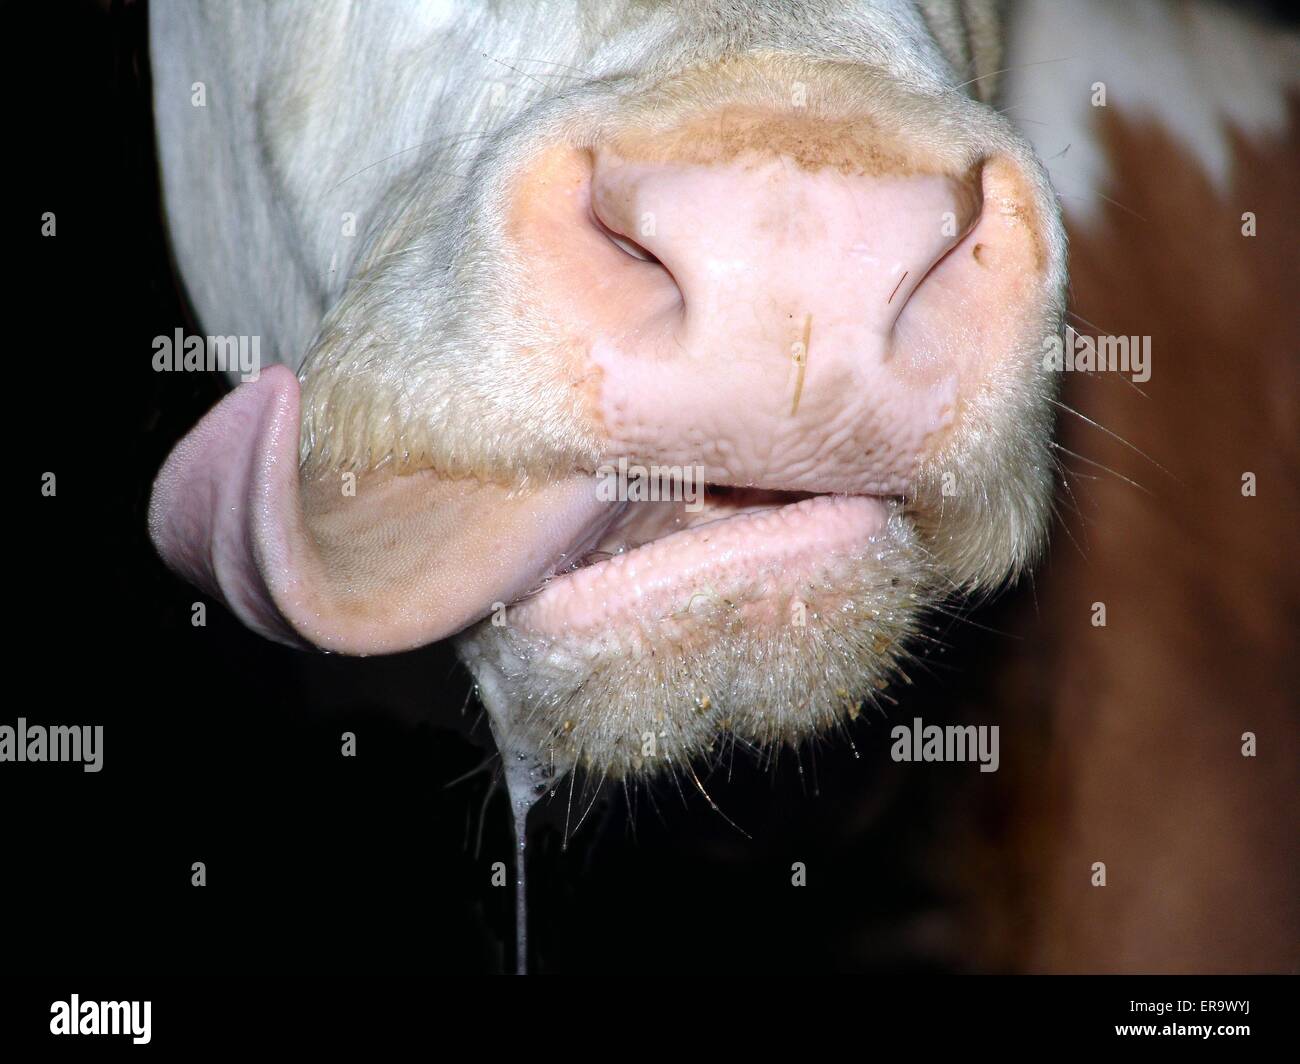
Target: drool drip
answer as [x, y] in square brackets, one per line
[527, 779]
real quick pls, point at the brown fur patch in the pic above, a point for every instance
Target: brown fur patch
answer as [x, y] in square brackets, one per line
[1141, 721]
[819, 114]
[852, 146]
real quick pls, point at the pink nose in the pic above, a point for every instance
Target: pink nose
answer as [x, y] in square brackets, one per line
[783, 325]
[751, 247]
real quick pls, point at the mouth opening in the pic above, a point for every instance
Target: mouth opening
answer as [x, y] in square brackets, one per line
[644, 522]
[748, 549]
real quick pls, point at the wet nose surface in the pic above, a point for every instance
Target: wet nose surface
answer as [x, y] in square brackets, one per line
[790, 284]
[783, 326]
[751, 246]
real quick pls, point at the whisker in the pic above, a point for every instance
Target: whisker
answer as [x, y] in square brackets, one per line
[1142, 488]
[1020, 66]
[1115, 436]
[547, 62]
[403, 151]
[714, 805]
[521, 73]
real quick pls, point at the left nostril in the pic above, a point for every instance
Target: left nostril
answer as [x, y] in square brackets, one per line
[612, 212]
[625, 243]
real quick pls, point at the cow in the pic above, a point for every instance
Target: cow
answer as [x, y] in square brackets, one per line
[498, 259]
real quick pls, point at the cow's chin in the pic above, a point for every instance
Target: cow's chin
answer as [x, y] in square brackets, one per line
[759, 621]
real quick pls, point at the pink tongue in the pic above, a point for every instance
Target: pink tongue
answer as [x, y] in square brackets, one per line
[407, 560]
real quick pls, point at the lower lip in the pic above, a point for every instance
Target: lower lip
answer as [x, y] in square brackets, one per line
[751, 560]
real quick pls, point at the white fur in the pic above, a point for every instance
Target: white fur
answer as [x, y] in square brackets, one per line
[1199, 70]
[321, 109]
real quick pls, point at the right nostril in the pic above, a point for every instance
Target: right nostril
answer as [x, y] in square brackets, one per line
[966, 207]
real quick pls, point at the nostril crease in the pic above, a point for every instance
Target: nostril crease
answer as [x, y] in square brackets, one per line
[632, 249]
[972, 222]
[624, 243]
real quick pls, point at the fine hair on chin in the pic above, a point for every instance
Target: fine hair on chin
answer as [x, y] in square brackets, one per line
[632, 700]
